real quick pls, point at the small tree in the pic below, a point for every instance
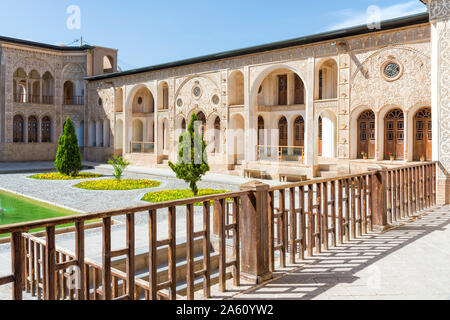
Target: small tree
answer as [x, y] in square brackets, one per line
[192, 159]
[119, 166]
[68, 156]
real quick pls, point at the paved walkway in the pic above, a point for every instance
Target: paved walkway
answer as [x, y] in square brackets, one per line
[410, 262]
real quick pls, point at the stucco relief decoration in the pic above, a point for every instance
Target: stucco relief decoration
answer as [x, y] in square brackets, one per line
[444, 43]
[412, 85]
[439, 9]
[191, 95]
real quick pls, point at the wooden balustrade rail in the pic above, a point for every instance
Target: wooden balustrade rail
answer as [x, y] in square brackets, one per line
[40, 268]
[303, 218]
[309, 216]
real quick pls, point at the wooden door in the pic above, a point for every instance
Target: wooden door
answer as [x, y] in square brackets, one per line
[366, 134]
[423, 134]
[282, 89]
[394, 134]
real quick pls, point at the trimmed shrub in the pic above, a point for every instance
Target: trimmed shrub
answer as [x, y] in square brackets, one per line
[68, 157]
[192, 159]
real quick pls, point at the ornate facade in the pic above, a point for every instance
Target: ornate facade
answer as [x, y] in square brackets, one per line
[310, 106]
[41, 85]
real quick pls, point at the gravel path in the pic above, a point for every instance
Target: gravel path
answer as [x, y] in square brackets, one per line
[62, 193]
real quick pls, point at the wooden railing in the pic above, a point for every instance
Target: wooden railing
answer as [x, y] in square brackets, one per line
[24, 98]
[142, 147]
[76, 100]
[313, 215]
[267, 224]
[39, 268]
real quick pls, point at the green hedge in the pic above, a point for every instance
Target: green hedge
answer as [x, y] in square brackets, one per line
[113, 184]
[168, 195]
[59, 176]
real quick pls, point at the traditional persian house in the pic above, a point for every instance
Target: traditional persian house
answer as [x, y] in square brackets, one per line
[40, 85]
[314, 106]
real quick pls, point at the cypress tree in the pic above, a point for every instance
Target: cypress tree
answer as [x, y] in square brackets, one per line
[192, 161]
[68, 157]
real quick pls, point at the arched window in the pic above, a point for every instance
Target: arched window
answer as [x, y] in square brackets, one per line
[108, 64]
[299, 129]
[183, 124]
[394, 134]
[282, 127]
[46, 130]
[423, 135]
[282, 90]
[260, 131]
[327, 80]
[20, 86]
[201, 117]
[34, 82]
[68, 93]
[48, 88]
[32, 129]
[18, 129]
[217, 135]
[236, 88]
[299, 94]
[366, 134]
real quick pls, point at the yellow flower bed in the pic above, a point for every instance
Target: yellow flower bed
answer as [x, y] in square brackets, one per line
[168, 195]
[114, 184]
[59, 176]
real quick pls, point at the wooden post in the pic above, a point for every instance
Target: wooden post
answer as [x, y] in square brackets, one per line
[379, 200]
[79, 249]
[254, 232]
[17, 265]
[50, 264]
[106, 271]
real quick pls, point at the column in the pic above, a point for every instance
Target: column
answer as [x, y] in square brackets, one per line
[126, 144]
[439, 11]
[310, 152]
[290, 88]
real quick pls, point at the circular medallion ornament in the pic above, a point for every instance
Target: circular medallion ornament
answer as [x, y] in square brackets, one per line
[391, 70]
[140, 100]
[196, 91]
[179, 102]
[215, 99]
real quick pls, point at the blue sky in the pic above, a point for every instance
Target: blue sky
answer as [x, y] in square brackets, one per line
[148, 32]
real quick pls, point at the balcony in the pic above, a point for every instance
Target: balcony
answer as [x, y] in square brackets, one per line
[280, 153]
[142, 147]
[73, 101]
[24, 98]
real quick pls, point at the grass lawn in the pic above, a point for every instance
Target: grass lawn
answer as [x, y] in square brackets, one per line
[168, 195]
[59, 176]
[114, 184]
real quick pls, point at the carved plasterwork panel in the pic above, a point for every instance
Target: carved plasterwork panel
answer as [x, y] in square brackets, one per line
[369, 86]
[208, 87]
[439, 9]
[444, 83]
